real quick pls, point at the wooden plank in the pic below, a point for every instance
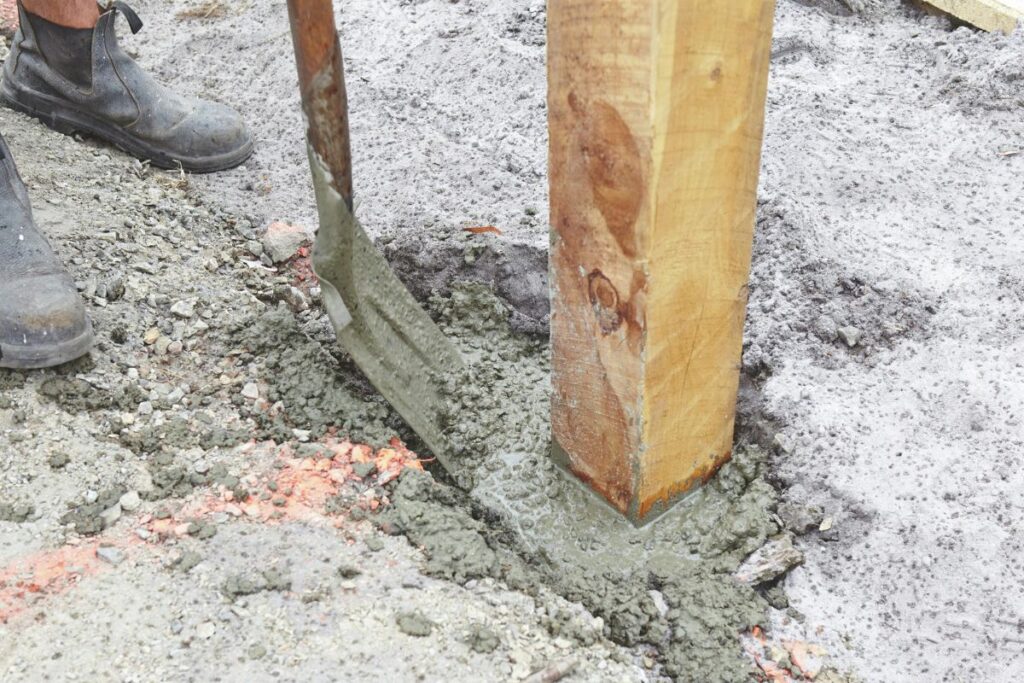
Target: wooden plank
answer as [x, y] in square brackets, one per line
[656, 118]
[989, 15]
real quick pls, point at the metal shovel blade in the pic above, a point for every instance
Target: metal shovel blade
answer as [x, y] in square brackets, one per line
[377, 320]
[391, 338]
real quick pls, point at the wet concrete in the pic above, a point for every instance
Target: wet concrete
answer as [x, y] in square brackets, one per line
[524, 521]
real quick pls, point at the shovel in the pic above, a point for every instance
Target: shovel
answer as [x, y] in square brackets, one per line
[389, 336]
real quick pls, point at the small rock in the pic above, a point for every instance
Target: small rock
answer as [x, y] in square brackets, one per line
[347, 572]
[161, 346]
[374, 544]
[145, 408]
[189, 560]
[783, 443]
[130, 501]
[771, 561]
[292, 296]
[58, 460]
[183, 309]
[281, 241]
[251, 391]
[254, 248]
[175, 348]
[414, 624]
[659, 601]
[152, 334]
[800, 519]
[364, 469]
[110, 555]
[851, 336]
[206, 630]
[115, 287]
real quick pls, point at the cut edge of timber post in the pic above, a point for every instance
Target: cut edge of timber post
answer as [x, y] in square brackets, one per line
[656, 118]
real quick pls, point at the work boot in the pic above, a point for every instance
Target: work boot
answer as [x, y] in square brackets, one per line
[81, 80]
[42, 317]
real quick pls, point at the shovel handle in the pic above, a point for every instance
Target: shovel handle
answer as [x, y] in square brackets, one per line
[322, 84]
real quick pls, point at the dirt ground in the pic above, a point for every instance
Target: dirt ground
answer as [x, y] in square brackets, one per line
[882, 360]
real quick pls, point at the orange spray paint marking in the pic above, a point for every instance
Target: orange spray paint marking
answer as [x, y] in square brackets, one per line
[47, 572]
[302, 487]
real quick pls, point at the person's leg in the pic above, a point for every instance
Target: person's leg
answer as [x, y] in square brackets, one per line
[67, 13]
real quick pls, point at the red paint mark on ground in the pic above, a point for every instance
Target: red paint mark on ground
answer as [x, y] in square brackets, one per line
[301, 267]
[298, 490]
[301, 488]
[46, 573]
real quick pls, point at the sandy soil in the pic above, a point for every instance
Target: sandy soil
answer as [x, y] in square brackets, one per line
[888, 217]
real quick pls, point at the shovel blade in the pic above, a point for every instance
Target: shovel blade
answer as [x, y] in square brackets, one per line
[378, 322]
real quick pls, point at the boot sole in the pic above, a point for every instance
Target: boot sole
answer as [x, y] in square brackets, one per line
[46, 355]
[67, 120]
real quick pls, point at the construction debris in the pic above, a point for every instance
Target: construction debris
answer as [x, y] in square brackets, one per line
[774, 559]
[990, 15]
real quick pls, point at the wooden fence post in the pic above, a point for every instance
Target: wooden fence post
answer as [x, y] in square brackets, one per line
[656, 119]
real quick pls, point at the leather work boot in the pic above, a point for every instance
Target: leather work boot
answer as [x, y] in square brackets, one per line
[42, 317]
[81, 80]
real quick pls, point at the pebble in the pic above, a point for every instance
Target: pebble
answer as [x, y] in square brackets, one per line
[254, 248]
[414, 624]
[112, 556]
[800, 519]
[58, 460]
[771, 561]
[850, 335]
[281, 241]
[130, 501]
[206, 630]
[145, 408]
[152, 334]
[183, 309]
[251, 391]
[201, 466]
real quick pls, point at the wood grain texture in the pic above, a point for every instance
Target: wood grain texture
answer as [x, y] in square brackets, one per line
[656, 114]
[989, 15]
